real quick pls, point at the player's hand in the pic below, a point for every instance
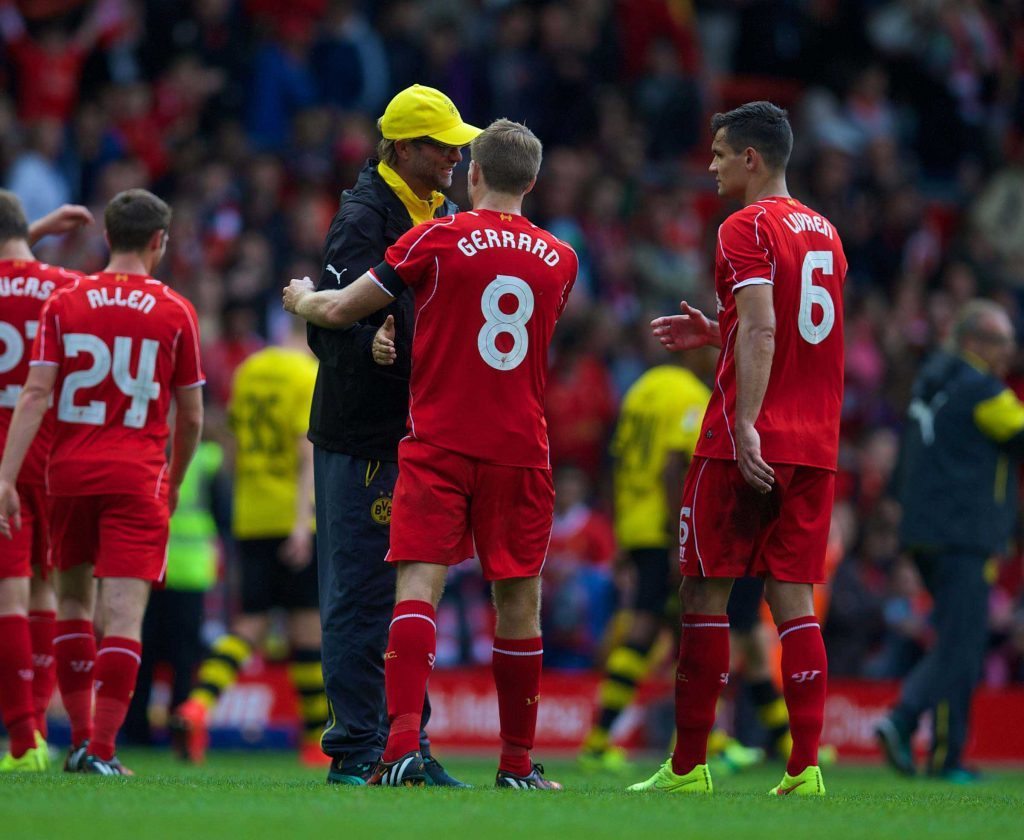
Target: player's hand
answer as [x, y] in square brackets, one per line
[295, 291]
[172, 499]
[755, 471]
[64, 219]
[688, 331]
[383, 349]
[10, 509]
[297, 551]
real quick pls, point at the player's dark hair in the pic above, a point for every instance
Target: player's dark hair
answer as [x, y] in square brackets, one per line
[13, 224]
[386, 148]
[758, 125]
[509, 155]
[132, 217]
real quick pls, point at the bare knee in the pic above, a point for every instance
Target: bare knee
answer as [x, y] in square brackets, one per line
[788, 600]
[421, 582]
[123, 603]
[705, 596]
[517, 602]
[304, 629]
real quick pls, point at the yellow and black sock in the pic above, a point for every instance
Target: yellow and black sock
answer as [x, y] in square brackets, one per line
[307, 677]
[627, 665]
[219, 671]
[773, 715]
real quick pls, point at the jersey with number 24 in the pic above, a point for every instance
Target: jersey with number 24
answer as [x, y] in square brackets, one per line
[489, 288]
[122, 343]
[780, 242]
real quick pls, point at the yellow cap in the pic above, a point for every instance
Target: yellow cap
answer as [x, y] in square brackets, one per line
[420, 111]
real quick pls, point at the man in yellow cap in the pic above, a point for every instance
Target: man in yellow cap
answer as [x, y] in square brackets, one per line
[357, 418]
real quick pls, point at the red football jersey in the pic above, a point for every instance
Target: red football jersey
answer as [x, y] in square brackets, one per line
[781, 242]
[24, 287]
[122, 342]
[489, 288]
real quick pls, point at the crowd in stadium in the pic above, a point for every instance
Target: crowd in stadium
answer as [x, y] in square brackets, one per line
[249, 117]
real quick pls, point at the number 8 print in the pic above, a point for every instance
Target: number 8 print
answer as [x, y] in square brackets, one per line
[497, 322]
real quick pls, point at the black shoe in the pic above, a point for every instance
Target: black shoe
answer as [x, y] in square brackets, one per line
[895, 746]
[100, 767]
[534, 781]
[437, 776]
[405, 771]
[76, 755]
[958, 775]
[358, 773]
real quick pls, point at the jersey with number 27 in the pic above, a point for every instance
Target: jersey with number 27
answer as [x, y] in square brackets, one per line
[122, 343]
[25, 285]
[489, 288]
[780, 242]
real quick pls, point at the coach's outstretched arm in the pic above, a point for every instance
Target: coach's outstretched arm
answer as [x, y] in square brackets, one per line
[335, 308]
[755, 349]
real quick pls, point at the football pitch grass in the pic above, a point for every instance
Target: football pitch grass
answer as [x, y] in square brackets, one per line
[256, 795]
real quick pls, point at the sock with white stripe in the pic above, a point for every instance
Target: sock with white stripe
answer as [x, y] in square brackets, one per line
[702, 672]
[516, 664]
[74, 646]
[804, 684]
[117, 666]
[412, 643]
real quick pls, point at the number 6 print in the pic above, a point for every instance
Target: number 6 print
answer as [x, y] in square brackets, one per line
[497, 322]
[810, 295]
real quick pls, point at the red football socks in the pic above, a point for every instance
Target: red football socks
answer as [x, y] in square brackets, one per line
[117, 666]
[702, 673]
[516, 664]
[804, 684]
[412, 643]
[16, 683]
[42, 625]
[75, 649]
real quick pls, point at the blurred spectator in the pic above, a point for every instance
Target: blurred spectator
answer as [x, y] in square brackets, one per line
[579, 593]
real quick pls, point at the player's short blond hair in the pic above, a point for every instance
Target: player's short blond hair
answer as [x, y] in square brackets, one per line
[13, 224]
[509, 155]
[132, 217]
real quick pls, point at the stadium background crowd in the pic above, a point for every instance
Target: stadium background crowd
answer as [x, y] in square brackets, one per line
[250, 116]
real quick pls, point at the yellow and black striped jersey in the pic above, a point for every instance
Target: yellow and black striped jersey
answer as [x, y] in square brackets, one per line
[269, 413]
[661, 413]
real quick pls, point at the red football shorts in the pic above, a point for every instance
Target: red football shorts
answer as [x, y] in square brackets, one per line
[30, 544]
[729, 530]
[122, 535]
[446, 502]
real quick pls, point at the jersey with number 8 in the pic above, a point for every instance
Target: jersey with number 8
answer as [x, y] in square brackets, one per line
[123, 343]
[489, 288]
[781, 242]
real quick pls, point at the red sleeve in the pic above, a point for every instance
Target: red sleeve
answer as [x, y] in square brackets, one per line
[188, 368]
[412, 256]
[743, 241]
[47, 348]
[569, 285]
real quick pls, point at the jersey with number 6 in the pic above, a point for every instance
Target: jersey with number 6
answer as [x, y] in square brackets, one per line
[489, 288]
[24, 287]
[122, 343]
[780, 242]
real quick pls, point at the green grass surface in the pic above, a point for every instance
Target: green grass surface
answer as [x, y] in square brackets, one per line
[255, 795]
